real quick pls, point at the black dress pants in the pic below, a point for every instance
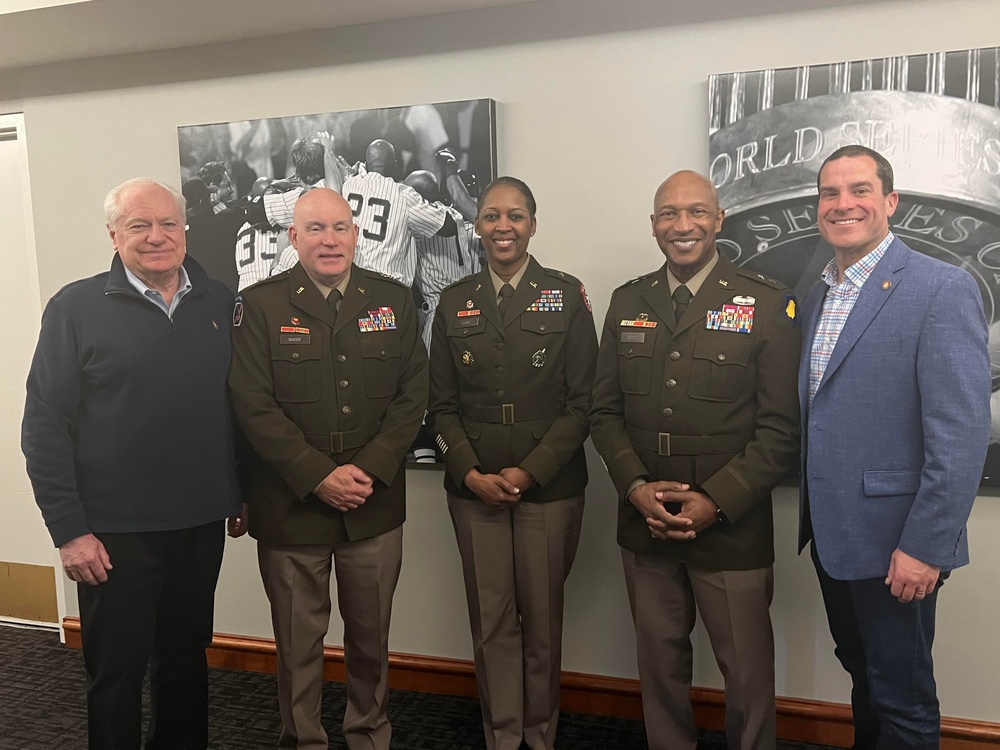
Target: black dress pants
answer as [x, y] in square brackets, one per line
[155, 609]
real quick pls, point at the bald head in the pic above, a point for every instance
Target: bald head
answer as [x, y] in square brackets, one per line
[688, 180]
[324, 234]
[380, 157]
[686, 218]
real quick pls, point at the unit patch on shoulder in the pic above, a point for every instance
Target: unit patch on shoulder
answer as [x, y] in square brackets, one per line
[238, 312]
[586, 299]
[792, 310]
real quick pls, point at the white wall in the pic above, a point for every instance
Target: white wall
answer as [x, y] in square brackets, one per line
[22, 535]
[600, 103]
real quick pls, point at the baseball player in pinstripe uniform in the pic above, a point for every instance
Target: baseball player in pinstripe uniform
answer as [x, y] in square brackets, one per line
[442, 261]
[258, 249]
[390, 215]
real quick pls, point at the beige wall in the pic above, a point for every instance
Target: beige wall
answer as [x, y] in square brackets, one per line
[601, 103]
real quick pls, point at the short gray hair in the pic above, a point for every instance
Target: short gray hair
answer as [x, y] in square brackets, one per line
[112, 201]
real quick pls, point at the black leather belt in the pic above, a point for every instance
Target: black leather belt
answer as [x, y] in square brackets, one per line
[668, 444]
[338, 442]
[508, 414]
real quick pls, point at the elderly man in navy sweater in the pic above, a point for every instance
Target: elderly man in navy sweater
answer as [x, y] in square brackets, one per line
[130, 446]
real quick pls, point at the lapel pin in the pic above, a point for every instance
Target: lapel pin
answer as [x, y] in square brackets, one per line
[642, 316]
[886, 284]
[655, 282]
[478, 287]
[723, 282]
[534, 284]
[361, 289]
[468, 304]
[300, 290]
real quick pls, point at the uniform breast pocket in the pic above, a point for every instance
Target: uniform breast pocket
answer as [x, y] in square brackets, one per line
[380, 353]
[297, 372]
[635, 360]
[720, 365]
[542, 322]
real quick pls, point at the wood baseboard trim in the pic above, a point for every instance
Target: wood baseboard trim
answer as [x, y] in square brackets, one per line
[799, 720]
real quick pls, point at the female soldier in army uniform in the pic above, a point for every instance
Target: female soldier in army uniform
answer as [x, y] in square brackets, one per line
[513, 355]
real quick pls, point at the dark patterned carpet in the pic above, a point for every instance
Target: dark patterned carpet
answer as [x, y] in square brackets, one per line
[42, 708]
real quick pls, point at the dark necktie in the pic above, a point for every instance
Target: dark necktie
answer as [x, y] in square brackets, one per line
[682, 296]
[333, 299]
[506, 292]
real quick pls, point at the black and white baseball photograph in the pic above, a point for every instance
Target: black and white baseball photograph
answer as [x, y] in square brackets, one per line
[935, 116]
[411, 175]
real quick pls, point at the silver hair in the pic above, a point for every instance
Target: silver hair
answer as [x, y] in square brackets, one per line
[112, 202]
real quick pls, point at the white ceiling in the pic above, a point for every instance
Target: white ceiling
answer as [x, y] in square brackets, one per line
[34, 32]
[38, 32]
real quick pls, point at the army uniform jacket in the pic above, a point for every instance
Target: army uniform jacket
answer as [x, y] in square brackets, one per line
[514, 392]
[311, 395]
[712, 404]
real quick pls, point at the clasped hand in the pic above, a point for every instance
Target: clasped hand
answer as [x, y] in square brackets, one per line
[345, 488]
[499, 490]
[697, 510]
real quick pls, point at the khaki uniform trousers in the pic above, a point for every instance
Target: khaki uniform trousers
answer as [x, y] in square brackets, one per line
[297, 581]
[515, 562]
[734, 605]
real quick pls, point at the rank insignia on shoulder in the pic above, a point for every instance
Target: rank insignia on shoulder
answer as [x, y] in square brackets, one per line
[792, 310]
[735, 318]
[238, 312]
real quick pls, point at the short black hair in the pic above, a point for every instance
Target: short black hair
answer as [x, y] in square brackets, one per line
[513, 182]
[882, 166]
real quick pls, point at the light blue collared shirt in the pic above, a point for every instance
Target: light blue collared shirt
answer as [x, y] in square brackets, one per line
[155, 297]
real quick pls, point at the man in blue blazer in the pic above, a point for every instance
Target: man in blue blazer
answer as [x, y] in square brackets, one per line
[894, 386]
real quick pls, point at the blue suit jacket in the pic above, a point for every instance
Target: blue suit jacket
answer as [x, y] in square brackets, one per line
[894, 441]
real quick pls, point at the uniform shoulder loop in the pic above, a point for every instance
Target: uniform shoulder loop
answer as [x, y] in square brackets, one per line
[384, 277]
[760, 278]
[456, 284]
[636, 280]
[270, 279]
[562, 276]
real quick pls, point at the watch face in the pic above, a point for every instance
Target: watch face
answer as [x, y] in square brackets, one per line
[935, 117]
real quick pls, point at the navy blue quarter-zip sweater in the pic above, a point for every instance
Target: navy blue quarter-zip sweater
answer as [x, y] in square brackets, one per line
[127, 424]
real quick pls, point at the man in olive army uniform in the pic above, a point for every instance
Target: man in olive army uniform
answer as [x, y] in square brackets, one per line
[329, 383]
[696, 416]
